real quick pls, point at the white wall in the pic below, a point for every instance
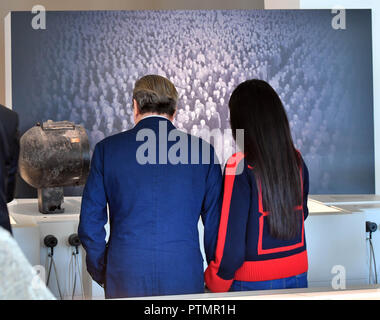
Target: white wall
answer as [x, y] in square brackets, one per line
[375, 6]
[282, 4]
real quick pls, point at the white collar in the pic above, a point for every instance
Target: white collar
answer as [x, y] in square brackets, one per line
[154, 115]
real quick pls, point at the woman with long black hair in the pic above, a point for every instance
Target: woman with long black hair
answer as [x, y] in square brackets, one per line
[261, 240]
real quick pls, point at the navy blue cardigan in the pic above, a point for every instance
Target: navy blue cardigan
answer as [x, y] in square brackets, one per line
[245, 249]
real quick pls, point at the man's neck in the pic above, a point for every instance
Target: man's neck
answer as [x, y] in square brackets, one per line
[148, 115]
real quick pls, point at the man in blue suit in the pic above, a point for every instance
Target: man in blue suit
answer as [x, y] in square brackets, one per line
[157, 182]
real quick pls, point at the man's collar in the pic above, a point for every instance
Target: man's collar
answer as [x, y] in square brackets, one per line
[154, 115]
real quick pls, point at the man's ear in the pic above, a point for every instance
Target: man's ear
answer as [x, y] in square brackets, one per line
[135, 107]
[174, 114]
[136, 110]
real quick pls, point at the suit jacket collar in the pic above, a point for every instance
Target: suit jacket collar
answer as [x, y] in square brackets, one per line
[153, 121]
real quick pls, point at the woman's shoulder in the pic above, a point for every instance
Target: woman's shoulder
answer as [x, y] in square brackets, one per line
[301, 158]
[235, 164]
[239, 172]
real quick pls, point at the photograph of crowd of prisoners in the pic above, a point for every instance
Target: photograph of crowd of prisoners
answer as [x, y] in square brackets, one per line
[84, 65]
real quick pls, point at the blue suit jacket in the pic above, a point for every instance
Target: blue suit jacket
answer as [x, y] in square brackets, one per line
[154, 209]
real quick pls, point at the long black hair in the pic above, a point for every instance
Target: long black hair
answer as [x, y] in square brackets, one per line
[268, 146]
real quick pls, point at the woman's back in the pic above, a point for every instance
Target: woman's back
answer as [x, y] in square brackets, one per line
[261, 234]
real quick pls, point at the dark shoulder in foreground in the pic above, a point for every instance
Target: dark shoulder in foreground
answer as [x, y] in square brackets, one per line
[6, 113]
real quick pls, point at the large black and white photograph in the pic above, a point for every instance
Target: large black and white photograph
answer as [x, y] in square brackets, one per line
[82, 68]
